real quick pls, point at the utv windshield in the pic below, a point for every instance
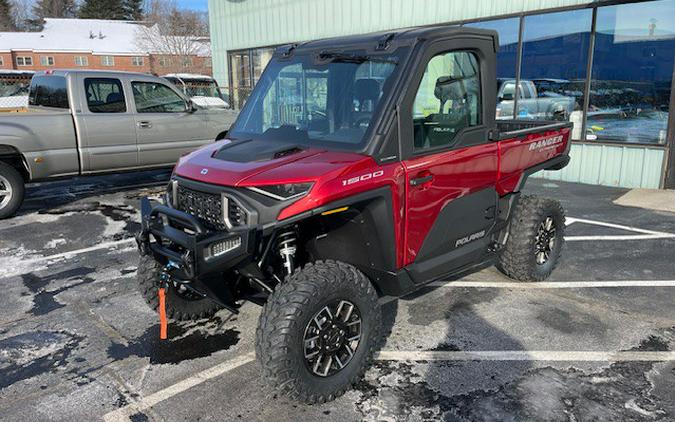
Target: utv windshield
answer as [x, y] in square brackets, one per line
[322, 99]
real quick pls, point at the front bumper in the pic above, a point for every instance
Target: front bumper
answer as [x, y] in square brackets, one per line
[181, 241]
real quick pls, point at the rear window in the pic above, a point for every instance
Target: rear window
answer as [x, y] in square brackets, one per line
[48, 91]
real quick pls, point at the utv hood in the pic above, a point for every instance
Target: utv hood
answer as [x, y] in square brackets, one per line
[261, 162]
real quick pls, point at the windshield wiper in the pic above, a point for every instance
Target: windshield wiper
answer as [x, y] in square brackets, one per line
[352, 58]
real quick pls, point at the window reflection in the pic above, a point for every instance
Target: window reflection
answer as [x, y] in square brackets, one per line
[508, 30]
[632, 72]
[553, 69]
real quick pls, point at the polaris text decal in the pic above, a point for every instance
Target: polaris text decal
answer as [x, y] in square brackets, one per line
[470, 238]
[362, 178]
[545, 144]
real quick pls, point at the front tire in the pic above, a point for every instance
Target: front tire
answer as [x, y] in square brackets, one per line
[535, 240]
[318, 332]
[179, 305]
[12, 190]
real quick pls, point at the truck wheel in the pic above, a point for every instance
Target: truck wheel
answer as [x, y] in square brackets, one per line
[536, 237]
[12, 190]
[318, 332]
[180, 306]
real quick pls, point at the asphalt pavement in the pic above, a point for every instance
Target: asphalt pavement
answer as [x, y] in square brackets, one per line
[596, 342]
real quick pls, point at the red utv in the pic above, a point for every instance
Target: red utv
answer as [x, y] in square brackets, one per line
[359, 167]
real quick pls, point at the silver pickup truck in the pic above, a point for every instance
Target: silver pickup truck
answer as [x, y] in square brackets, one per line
[91, 122]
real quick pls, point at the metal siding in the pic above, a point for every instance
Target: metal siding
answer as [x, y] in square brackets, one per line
[612, 165]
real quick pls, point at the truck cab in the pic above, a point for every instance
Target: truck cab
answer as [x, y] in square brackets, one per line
[359, 166]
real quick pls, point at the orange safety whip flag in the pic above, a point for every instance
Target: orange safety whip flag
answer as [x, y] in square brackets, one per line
[162, 314]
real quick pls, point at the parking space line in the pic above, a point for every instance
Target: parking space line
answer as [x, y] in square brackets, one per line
[527, 355]
[123, 413]
[69, 254]
[554, 284]
[644, 233]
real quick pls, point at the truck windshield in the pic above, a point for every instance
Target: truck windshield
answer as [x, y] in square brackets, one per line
[324, 99]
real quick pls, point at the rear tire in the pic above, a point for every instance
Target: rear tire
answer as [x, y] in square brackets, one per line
[12, 190]
[178, 307]
[321, 369]
[535, 240]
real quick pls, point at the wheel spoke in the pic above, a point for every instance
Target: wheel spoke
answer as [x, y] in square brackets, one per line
[332, 337]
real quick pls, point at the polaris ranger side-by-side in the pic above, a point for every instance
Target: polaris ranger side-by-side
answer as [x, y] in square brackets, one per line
[359, 167]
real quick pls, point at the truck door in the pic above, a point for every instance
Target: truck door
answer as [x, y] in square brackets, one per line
[105, 125]
[451, 165]
[165, 127]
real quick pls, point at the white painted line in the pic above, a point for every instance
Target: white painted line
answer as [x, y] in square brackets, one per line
[123, 413]
[63, 255]
[69, 254]
[527, 355]
[554, 284]
[620, 237]
[645, 234]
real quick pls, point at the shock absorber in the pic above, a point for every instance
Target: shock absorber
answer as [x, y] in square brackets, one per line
[286, 241]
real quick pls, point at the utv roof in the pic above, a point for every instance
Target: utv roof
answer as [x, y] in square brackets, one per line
[381, 40]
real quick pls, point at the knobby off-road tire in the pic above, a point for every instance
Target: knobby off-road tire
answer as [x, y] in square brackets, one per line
[178, 307]
[520, 258]
[12, 190]
[290, 315]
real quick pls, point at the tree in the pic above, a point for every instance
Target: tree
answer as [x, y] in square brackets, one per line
[54, 9]
[102, 9]
[22, 15]
[175, 36]
[50, 9]
[6, 16]
[133, 10]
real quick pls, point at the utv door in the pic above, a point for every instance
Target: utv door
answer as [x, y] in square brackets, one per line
[451, 166]
[165, 127]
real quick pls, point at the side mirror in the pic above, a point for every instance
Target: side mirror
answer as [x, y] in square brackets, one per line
[191, 107]
[507, 96]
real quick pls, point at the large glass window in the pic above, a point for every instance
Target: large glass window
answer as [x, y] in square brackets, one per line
[448, 99]
[507, 57]
[632, 72]
[553, 69]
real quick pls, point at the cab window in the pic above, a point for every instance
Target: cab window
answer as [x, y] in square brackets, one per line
[153, 97]
[448, 99]
[104, 95]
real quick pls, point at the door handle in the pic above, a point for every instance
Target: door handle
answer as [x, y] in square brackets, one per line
[144, 125]
[421, 180]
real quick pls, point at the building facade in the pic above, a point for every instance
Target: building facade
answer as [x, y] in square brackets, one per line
[99, 44]
[607, 66]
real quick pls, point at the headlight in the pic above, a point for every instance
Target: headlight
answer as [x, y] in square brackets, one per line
[283, 192]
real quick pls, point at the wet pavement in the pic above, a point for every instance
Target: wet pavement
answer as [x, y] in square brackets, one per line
[78, 342]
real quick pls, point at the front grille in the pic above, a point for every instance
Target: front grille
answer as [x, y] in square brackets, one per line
[208, 207]
[236, 214]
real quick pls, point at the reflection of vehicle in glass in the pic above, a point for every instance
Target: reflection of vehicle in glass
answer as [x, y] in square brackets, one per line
[334, 185]
[85, 122]
[14, 86]
[533, 104]
[626, 111]
[203, 90]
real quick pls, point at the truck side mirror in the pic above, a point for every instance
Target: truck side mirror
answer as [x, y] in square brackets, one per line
[191, 107]
[507, 96]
